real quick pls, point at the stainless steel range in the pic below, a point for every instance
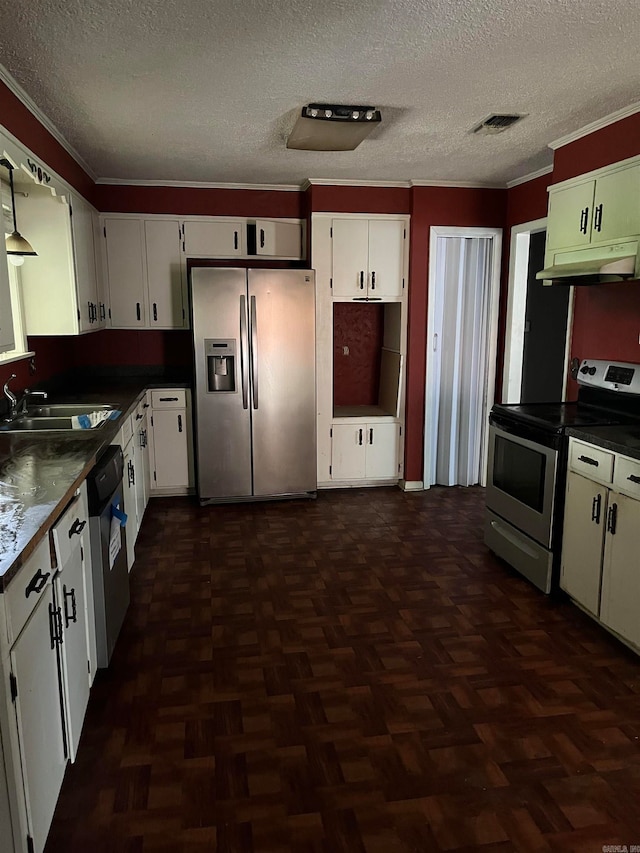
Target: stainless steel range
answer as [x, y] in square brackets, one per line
[528, 463]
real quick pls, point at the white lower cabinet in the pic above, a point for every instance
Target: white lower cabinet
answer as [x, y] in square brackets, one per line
[365, 451]
[34, 667]
[170, 445]
[600, 556]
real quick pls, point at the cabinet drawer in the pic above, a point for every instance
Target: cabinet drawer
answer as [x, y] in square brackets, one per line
[626, 476]
[126, 433]
[26, 589]
[66, 534]
[169, 398]
[591, 461]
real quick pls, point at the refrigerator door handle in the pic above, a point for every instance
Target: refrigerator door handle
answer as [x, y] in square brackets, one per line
[244, 361]
[253, 319]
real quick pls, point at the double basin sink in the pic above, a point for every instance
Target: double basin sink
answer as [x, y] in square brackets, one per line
[54, 417]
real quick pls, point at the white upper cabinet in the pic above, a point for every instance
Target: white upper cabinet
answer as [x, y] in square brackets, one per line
[368, 258]
[7, 341]
[590, 211]
[275, 238]
[59, 284]
[214, 239]
[126, 269]
[164, 273]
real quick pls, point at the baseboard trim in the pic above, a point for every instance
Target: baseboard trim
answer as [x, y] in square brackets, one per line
[411, 485]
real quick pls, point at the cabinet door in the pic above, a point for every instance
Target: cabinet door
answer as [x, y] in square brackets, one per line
[164, 273]
[350, 256]
[126, 272]
[382, 451]
[570, 216]
[617, 205]
[585, 513]
[102, 291]
[348, 452]
[283, 239]
[85, 263]
[386, 258]
[129, 493]
[620, 603]
[35, 666]
[171, 458]
[7, 341]
[70, 598]
[214, 239]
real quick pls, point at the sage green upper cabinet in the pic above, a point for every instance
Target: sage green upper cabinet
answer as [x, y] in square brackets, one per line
[617, 205]
[570, 211]
[594, 211]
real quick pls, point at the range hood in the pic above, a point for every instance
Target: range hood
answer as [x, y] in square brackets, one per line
[595, 265]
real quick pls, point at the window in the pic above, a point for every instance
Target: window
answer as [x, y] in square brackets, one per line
[20, 350]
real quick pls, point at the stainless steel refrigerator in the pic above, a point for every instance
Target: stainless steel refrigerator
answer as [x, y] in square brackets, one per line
[254, 353]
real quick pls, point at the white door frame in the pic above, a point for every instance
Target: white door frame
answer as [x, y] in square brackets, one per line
[492, 338]
[516, 307]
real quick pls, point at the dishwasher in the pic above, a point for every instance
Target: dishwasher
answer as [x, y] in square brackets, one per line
[108, 550]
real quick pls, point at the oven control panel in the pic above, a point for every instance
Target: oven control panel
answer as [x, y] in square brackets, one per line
[622, 376]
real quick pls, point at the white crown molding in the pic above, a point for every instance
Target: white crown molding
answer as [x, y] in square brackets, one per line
[35, 110]
[546, 170]
[473, 185]
[344, 182]
[612, 118]
[203, 185]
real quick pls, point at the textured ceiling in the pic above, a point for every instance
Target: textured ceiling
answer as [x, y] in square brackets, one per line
[197, 90]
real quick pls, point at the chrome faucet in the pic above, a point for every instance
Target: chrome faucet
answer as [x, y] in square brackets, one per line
[27, 395]
[11, 397]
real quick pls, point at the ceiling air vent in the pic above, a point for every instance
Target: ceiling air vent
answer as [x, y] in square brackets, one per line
[497, 122]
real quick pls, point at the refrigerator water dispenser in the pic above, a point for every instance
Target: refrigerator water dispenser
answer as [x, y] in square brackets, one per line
[221, 360]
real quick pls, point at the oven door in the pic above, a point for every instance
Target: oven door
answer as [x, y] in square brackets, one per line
[521, 482]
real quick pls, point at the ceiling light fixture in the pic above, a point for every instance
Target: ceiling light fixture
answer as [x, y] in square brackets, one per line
[17, 247]
[330, 127]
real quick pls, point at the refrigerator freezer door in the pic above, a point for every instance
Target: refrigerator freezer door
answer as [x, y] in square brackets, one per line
[223, 422]
[282, 330]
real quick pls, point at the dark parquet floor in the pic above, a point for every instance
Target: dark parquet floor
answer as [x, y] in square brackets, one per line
[352, 674]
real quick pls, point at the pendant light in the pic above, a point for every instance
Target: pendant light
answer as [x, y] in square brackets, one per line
[17, 247]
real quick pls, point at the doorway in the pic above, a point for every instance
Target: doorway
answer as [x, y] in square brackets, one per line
[464, 281]
[538, 324]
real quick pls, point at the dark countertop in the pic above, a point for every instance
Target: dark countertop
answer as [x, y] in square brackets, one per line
[619, 439]
[40, 472]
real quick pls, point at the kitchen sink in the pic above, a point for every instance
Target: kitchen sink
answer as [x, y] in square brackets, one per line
[55, 417]
[67, 410]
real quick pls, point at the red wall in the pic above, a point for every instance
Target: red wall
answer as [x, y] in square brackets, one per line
[198, 201]
[356, 377]
[606, 320]
[435, 206]
[342, 199]
[117, 347]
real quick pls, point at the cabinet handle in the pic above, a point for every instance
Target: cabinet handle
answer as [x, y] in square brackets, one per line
[584, 219]
[361, 279]
[634, 479]
[370, 436]
[145, 405]
[359, 436]
[168, 399]
[143, 438]
[155, 311]
[132, 474]
[235, 239]
[103, 312]
[74, 610]
[597, 222]
[373, 281]
[90, 311]
[55, 626]
[595, 509]
[139, 417]
[179, 423]
[612, 519]
[588, 460]
[36, 584]
[262, 238]
[77, 527]
[138, 310]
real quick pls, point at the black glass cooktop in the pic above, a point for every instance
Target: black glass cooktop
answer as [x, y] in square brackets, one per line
[556, 417]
